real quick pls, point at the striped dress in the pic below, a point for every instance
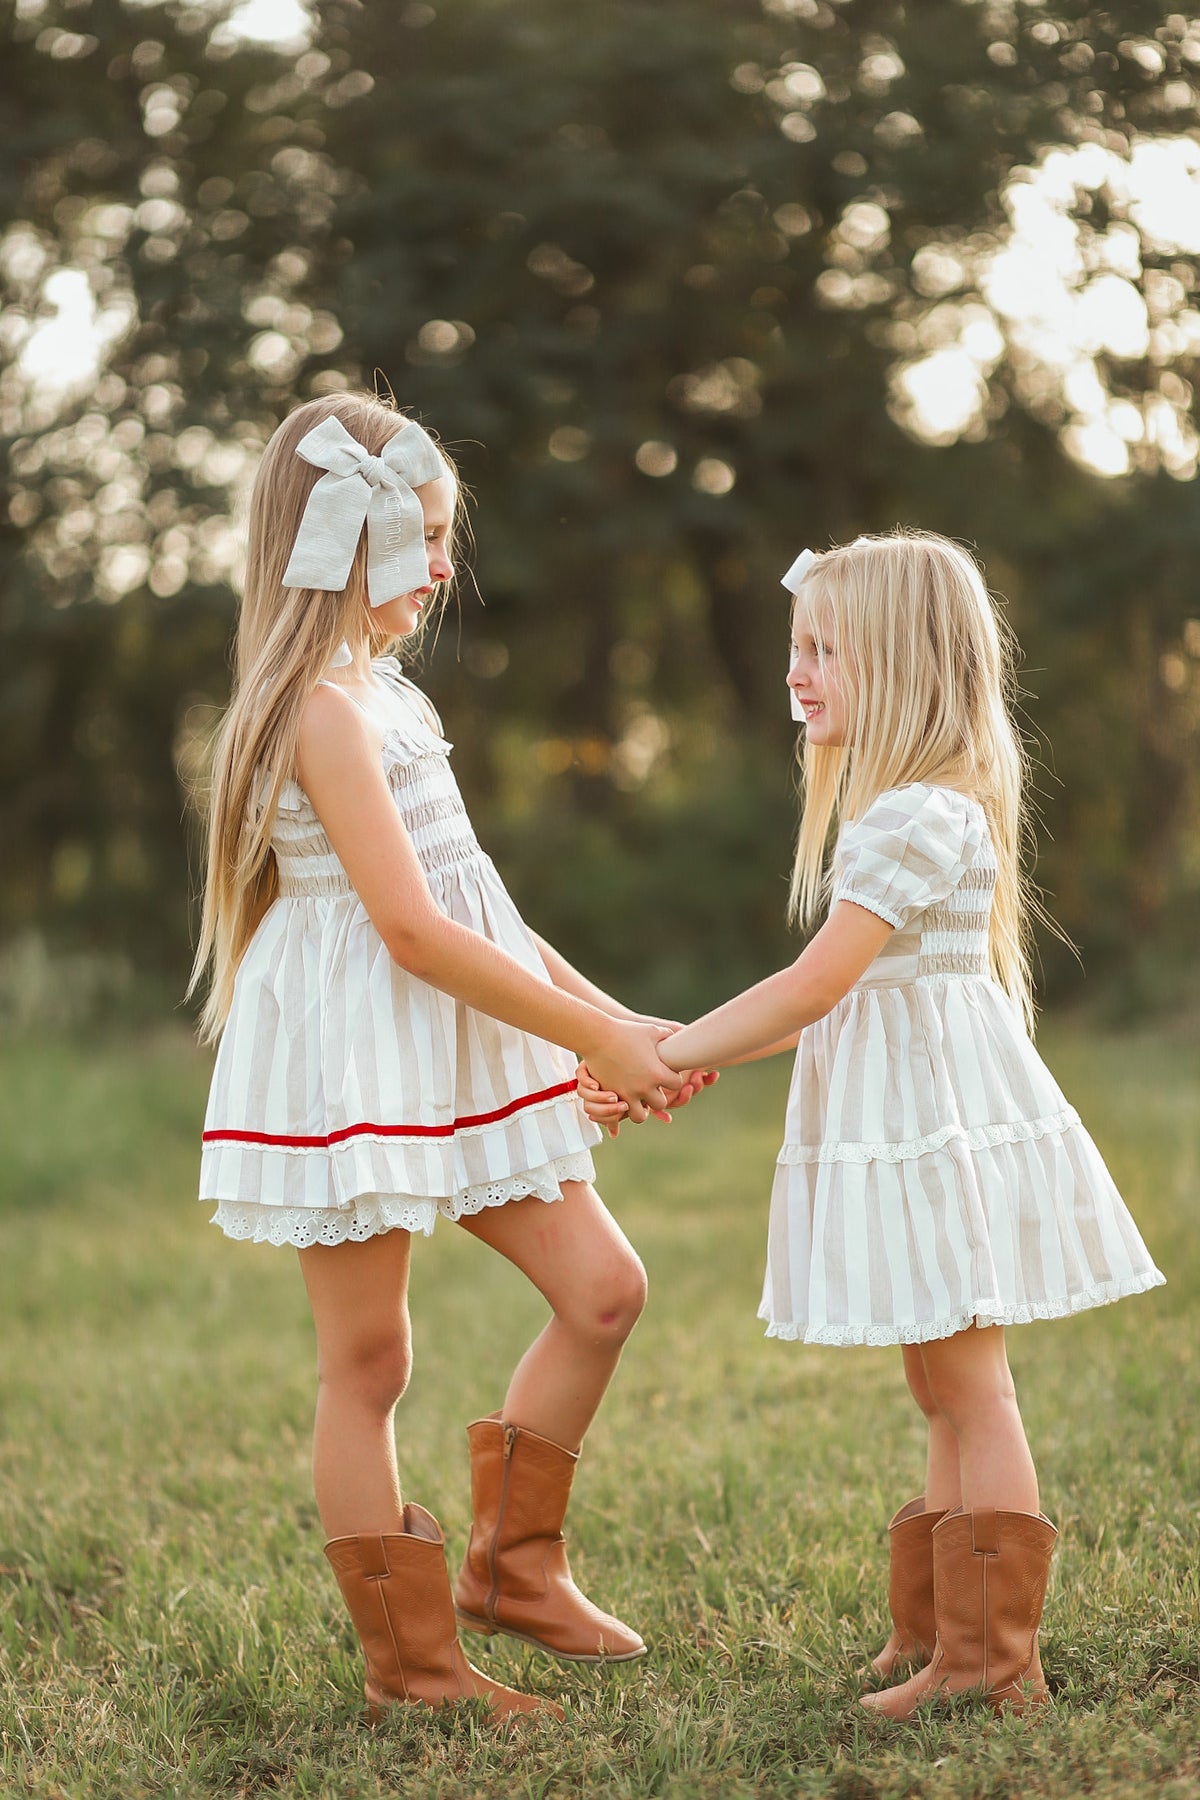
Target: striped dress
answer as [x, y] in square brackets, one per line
[349, 1098]
[933, 1174]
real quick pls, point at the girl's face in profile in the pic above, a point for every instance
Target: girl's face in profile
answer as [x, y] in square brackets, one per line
[401, 616]
[814, 678]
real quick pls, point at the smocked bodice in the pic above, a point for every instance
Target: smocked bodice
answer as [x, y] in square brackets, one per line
[948, 938]
[428, 801]
[416, 763]
[922, 859]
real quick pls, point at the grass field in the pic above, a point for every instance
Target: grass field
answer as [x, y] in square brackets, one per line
[168, 1625]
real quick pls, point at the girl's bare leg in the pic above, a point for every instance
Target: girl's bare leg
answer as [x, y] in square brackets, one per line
[578, 1257]
[969, 1381]
[971, 1385]
[359, 1299]
[941, 1492]
[943, 1485]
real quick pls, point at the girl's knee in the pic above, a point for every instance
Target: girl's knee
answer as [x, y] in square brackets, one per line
[373, 1366]
[628, 1296]
[966, 1396]
[612, 1305]
[918, 1381]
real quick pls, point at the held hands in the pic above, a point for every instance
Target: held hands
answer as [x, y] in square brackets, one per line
[610, 1111]
[624, 1058]
[603, 1101]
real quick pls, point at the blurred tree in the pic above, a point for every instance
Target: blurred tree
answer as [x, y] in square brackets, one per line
[688, 284]
[154, 195]
[688, 290]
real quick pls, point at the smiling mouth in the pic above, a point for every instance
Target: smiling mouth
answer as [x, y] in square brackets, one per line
[812, 708]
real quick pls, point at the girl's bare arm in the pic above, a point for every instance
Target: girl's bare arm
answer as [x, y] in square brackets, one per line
[567, 977]
[339, 767]
[777, 1009]
[608, 1110]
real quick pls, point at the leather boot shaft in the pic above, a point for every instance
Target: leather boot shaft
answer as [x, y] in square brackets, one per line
[910, 1576]
[517, 1577]
[990, 1573]
[910, 1587]
[397, 1591]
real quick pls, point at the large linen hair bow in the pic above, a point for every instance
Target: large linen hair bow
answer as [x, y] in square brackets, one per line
[359, 488]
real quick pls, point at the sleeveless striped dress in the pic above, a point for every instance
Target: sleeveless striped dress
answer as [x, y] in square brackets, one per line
[933, 1174]
[349, 1098]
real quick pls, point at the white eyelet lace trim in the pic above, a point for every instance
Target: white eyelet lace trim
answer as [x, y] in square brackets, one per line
[975, 1137]
[371, 1214]
[984, 1313]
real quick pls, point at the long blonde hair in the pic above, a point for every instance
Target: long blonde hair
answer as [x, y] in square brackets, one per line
[286, 640]
[927, 668]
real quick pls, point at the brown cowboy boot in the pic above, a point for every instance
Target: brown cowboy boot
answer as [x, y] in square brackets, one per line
[910, 1586]
[397, 1590]
[516, 1577]
[990, 1571]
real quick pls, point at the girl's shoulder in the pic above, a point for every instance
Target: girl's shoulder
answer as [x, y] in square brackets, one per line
[919, 819]
[908, 849]
[930, 800]
[402, 719]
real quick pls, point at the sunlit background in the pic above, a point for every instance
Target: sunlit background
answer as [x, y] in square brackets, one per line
[731, 281]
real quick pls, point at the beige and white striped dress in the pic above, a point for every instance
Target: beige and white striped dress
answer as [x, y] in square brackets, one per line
[350, 1098]
[933, 1174]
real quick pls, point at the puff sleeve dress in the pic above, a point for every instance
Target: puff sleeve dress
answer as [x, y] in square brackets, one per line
[933, 1175]
[348, 1097]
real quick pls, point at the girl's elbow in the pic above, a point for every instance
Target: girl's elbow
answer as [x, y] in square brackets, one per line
[819, 998]
[412, 944]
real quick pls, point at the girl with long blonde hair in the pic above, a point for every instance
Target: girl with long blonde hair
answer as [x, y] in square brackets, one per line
[934, 1184]
[396, 1045]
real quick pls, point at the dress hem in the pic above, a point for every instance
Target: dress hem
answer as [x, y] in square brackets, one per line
[984, 1313]
[367, 1216]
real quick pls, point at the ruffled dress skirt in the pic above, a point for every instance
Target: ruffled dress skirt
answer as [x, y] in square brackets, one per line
[348, 1097]
[933, 1176]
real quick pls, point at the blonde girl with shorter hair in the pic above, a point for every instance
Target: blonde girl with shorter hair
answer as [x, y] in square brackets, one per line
[395, 1045]
[934, 1185]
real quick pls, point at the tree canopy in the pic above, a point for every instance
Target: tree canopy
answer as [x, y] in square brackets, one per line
[687, 285]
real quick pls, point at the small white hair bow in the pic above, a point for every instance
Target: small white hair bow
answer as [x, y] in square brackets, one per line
[359, 488]
[792, 581]
[799, 569]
